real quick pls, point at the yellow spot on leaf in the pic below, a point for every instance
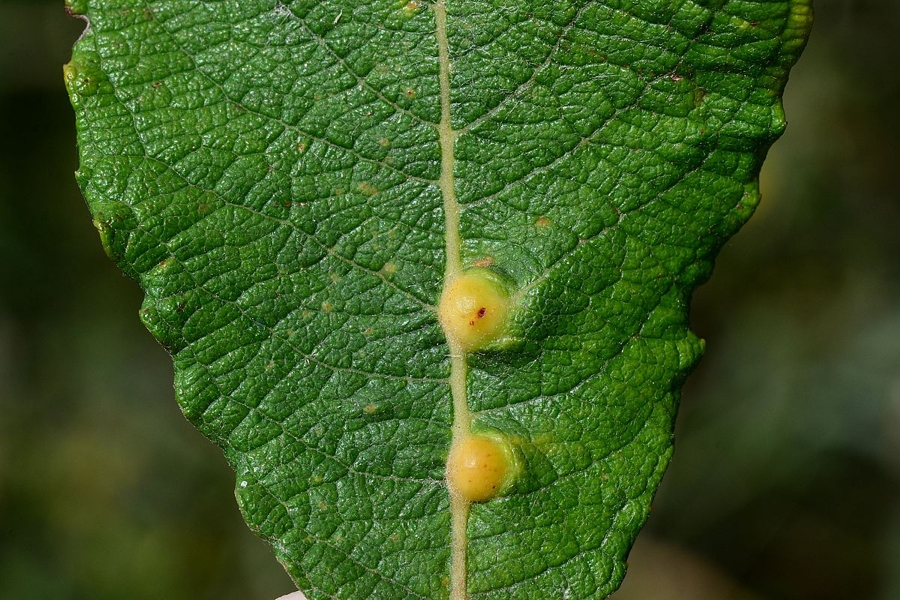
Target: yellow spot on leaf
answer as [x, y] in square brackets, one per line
[69, 72]
[166, 264]
[410, 8]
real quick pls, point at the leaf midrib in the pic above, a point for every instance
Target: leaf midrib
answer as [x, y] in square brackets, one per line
[459, 507]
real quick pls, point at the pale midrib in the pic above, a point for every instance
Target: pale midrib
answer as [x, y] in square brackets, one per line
[459, 507]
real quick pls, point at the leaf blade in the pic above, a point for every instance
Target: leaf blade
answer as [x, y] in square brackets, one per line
[270, 174]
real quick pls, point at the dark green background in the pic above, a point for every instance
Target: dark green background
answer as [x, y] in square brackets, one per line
[786, 477]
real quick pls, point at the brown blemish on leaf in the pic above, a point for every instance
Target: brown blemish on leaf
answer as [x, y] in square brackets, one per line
[367, 188]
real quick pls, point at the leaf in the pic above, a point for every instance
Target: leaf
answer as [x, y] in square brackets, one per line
[294, 185]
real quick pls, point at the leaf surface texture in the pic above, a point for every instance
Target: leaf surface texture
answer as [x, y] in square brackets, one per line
[292, 183]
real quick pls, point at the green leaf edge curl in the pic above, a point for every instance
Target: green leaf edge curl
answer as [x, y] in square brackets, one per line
[508, 556]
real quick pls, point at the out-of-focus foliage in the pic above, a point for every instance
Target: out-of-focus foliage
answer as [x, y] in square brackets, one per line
[786, 477]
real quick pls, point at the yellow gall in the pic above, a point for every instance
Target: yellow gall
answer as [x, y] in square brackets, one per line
[477, 468]
[473, 309]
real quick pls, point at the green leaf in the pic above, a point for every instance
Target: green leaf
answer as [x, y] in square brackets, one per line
[293, 184]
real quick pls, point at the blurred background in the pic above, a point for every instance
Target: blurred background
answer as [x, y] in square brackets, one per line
[786, 478]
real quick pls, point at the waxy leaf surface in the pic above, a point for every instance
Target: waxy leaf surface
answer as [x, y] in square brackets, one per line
[292, 183]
